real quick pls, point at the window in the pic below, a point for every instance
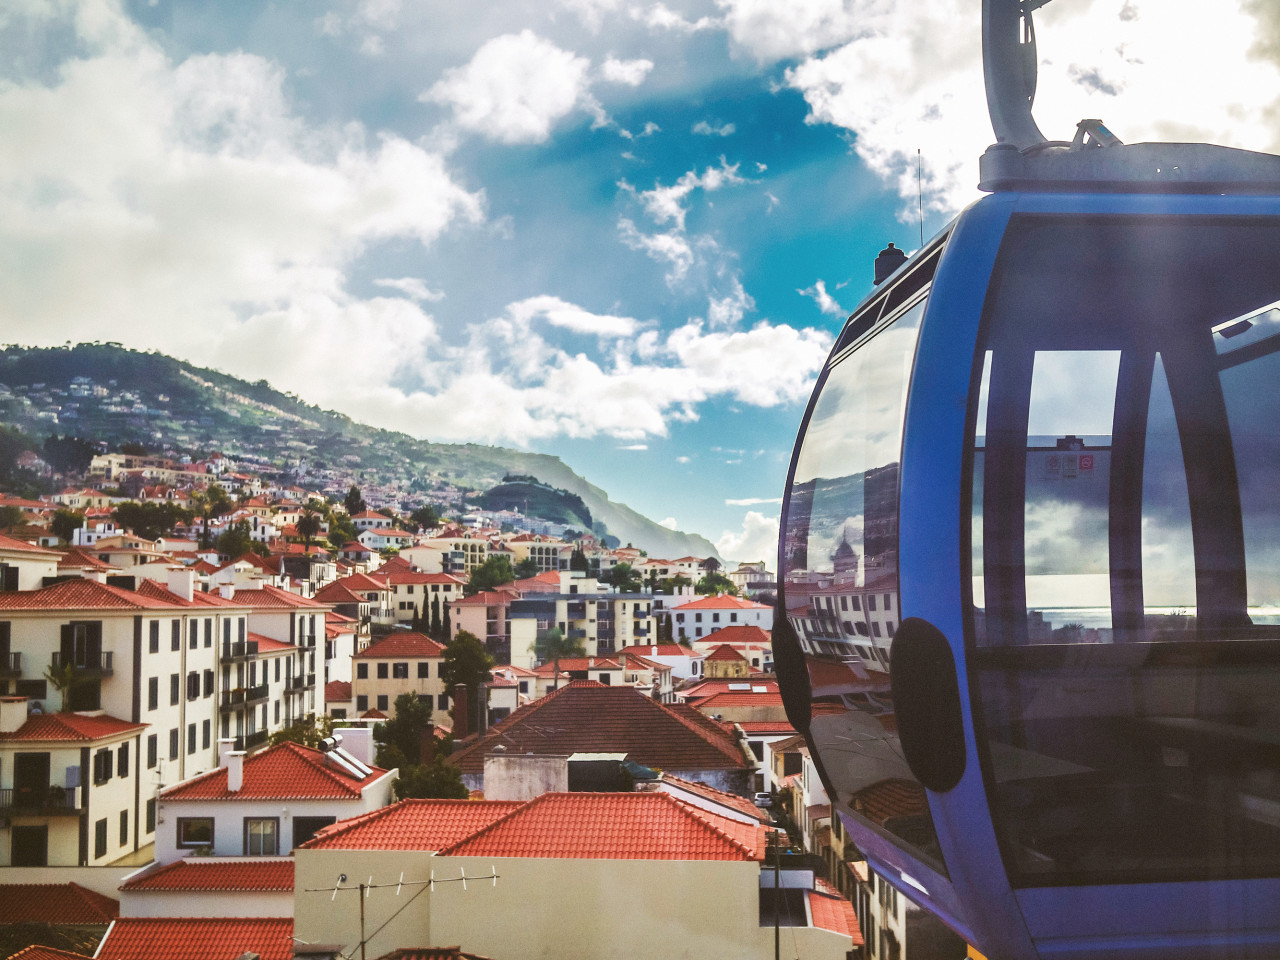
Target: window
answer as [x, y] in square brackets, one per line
[191, 738]
[226, 631]
[192, 831]
[175, 740]
[277, 720]
[715, 618]
[153, 637]
[362, 671]
[153, 746]
[733, 617]
[697, 618]
[277, 669]
[424, 669]
[887, 604]
[124, 828]
[175, 689]
[382, 702]
[175, 635]
[871, 601]
[400, 671]
[122, 760]
[206, 734]
[102, 767]
[100, 838]
[208, 631]
[193, 635]
[442, 702]
[260, 837]
[153, 693]
[193, 685]
[382, 671]
[151, 816]
[241, 629]
[362, 703]
[208, 683]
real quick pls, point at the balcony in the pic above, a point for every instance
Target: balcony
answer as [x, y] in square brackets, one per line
[10, 665]
[576, 610]
[250, 740]
[640, 631]
[297, 682]
[231, 699]
[242, 650]
[577, 633]
[255, 695]
[24, 801]
[86, 665]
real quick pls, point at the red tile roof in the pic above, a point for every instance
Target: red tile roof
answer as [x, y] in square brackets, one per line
[337, 690]
[374, 714]
[730, 800]
[412, 825]
[60, 727]
[362, 581]
[577, 663]
[830, 911]
[217, 873]
[191, 938]
[764, 727]
[287, 771]
[78, 558]
[739, 633]
[487, 598]
[663, 650]
[67, 903]
[41, 952]
[80, 594]
[402, 644]
[13, 543]
[413, 576]
[267, 644]
[613, 826]
[589, 717]
[722, 601]
[338, 593]
[739, 699]
[725, 652]
[267, 597]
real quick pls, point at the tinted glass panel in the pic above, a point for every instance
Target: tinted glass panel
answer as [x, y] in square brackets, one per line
[840, 581]
[1126, 550]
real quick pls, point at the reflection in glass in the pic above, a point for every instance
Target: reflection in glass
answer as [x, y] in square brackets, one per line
[840, 577]
[1126, 550]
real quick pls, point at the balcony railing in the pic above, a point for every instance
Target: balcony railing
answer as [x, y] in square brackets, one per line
[577, 633]
[10, 664]
[231, 699]
[241, 650]
[85, 664]
[640, 631]
[22, 800]
[256, 694]
[250, 740]
[296, 682]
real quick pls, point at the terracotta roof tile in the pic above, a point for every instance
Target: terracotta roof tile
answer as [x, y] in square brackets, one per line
[267, 644]
[217, 873]
[412, 825]
[80, 594]
[585, 716]
[191, 938]
[337, 691]
[13, 543]
[267, 597]
[830, 911]
[723, 601]
[58, 727]
[402, 644]
[41, 952]
[338, 593]
[886, 799]
[740, 699]
[663, 650]
[613, 826]
[362, 581]
[738, 633]
[288, 771]
[487, 598]
[725, 652]
[577, 663]
[730, 800]
[67, 903]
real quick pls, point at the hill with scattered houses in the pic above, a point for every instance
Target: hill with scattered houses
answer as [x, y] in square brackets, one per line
[111, 395]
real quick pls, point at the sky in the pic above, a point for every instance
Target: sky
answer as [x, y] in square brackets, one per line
[619, 231]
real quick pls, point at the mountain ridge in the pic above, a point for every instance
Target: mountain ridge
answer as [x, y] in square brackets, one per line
[105, 391]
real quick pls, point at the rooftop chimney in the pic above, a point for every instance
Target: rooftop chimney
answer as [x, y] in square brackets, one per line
[183, 582]
[227, 590]
[13, 713]
[235, 770]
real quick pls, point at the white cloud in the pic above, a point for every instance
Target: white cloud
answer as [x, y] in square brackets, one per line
[757, 540]
[683, 459]
[590, 12]
[826, 303]
[515, 88]
[670, 523]
[665, 204]
[188, 207]
[560, 313]
[728, 311]
[752, 501]
[672, 247]
[634, 446]
[707, 130]
[660, 17]
[757, 366]
[630, 73]
[411, 287]
[904, 77]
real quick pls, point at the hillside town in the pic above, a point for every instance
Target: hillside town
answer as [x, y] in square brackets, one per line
[238, 719]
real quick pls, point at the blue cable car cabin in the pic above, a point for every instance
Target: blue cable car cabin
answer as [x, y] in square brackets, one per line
[1030, 575]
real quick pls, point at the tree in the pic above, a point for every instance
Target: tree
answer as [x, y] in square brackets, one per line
[578, 560]
[494, 571]
[526, 568]
[64, 679]
[467, 662]
[551, 645]
[446, 626]
[238, 540]
[437, 779]
[308, 524]
[625, 579]
[10, 517]
[403, 732]
[68, 454]
[715, 583]
[308, 733]
[65, 523]
[424, 518]
[151, 520]
[354, 502]
[341, 530]
[433, 628]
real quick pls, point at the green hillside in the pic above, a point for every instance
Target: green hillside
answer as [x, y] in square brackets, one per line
[104, 392]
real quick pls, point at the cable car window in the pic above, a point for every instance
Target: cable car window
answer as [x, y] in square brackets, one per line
[840, 556]
[1125, 618]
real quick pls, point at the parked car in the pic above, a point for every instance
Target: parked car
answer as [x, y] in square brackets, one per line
[763, 800]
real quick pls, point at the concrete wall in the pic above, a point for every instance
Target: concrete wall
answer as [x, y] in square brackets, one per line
[103, 880]
[524, 777]
[204, 903]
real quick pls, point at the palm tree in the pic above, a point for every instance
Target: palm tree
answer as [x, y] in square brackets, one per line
[63, 678]
[552, 645]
